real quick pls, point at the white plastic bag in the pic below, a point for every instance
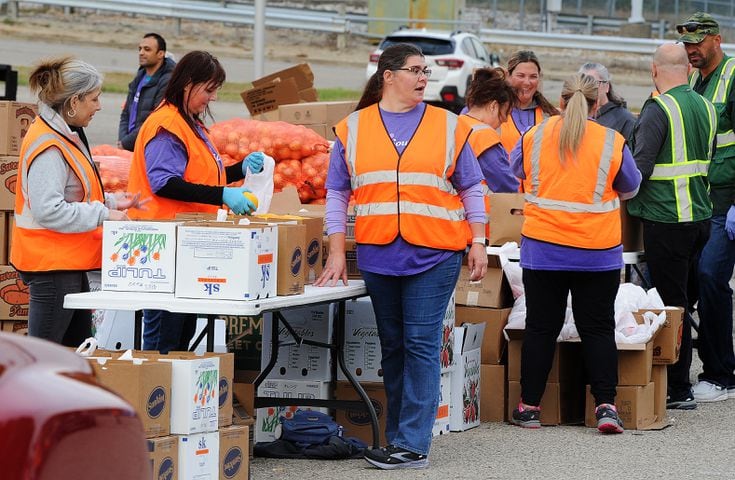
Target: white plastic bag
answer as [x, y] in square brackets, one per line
[261, 184]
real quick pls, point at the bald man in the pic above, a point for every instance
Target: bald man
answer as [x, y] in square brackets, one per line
[673, 143]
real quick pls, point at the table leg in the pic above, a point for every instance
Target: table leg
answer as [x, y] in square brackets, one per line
[210, 332]
[138, 330]
[274, 352]
[339, 331]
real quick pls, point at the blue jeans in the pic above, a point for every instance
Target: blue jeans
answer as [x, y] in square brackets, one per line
[409, 311]
[47, 317]
[165, 331]
[715, 306]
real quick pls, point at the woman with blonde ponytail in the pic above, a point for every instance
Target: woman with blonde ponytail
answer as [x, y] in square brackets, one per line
[574, 172]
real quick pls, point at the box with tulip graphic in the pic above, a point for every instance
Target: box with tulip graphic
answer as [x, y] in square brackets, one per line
[194, 394]
[139, 256]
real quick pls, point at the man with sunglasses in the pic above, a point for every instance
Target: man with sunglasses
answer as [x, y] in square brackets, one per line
[713, 79]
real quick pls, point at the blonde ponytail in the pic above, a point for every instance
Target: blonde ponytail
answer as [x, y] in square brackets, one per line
[579, 95]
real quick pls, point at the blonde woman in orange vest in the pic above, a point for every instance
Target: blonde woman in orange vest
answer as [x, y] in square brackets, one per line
[418, 198]
[176, 163]
[524, 71]
[60, 203]
[574, 172]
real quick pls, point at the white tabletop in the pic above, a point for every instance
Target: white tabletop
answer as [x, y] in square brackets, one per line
[167, 301]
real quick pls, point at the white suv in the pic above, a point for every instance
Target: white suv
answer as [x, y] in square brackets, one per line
[451, 56]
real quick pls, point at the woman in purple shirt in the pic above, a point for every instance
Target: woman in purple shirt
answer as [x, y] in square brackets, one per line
[409, 282]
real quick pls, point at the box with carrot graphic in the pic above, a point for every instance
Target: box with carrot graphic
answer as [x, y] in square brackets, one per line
[139, 256]
[194, 394]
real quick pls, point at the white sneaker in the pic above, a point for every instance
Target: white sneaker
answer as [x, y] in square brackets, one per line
[705, 391]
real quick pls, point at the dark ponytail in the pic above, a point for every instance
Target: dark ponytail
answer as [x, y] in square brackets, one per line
[392, 58]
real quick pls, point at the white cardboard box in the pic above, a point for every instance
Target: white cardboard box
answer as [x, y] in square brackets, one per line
[447, 353]
[464, 410]
[199, 456]
[301, 362]
[194, 395]
[441, 422]
[362, 345]
[226, 261]
[267, 419]
[138, 256]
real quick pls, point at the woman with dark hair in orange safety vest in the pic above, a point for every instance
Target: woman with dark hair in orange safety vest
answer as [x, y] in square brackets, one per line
[489, 101]
[418, 198]
[60, 203]
[176, 163]
[524, 70]
[574, 172]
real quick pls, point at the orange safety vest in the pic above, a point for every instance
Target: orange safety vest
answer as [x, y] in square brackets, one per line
[573, 204]
[202, 167]
[510, 133]
[408, 194]
[482, 137]
[38, 249]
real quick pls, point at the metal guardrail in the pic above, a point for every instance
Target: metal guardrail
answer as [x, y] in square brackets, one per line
[592, 23]
[237, 13]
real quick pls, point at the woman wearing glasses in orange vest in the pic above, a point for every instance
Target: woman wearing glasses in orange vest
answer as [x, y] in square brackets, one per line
[60, 204]
[418, 198]
[524, 70]
[574, 172]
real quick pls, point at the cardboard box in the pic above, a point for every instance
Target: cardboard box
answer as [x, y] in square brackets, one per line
[464, 411]
[14, 296]
[301, 362]
[492, 291]
[144, 384]
[199, 456]
[493, 393]
[234, 459]
[226, 262]
[243, 392]
[350, 256]
[164, 455]
[635, 405]
[268, 419]
[8, 181]
[291, 85]
[441, 422]
[357, 422]
[667, 343]
[138, 256]
[244, 339]
[291, 259]
[361, 345]
[15, 119]
[328, 113]
[565, 367]
[495, 319]
[447, 352]
[634, 363]
[322, 129]
[659, 377]
[506, 218]
[14, 326]
[194, 394]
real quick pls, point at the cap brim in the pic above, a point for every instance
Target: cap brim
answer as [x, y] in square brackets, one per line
[692, 37]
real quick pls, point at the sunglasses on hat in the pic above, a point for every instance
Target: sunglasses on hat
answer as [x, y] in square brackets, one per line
[691, 27]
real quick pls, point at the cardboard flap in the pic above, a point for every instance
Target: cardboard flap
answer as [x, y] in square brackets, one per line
[285, 201]
[506, 217]
[473, 333]
[301, 75]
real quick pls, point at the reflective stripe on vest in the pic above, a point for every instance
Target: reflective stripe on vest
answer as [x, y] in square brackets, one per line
[681, 168]
[727, 137]
[598, 206]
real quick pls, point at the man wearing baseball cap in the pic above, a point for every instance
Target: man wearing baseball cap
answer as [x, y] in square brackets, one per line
[713, 79]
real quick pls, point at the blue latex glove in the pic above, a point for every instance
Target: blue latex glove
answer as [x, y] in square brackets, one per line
[254, 161]
[233, 198]
[730, 223]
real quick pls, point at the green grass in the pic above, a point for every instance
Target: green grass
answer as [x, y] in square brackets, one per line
[117, 82]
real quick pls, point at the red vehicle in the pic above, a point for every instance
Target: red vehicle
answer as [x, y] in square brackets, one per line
[57, 422]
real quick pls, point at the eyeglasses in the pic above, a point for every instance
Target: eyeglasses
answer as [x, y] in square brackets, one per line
[691, 27]
[417, 71]
[602, 82]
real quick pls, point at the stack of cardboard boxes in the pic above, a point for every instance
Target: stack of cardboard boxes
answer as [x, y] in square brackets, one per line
[15, 119]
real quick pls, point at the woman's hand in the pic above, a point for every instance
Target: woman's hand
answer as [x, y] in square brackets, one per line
[254, 161]
[125, 200]
[477, 262]
[117, 215]
[334, 270]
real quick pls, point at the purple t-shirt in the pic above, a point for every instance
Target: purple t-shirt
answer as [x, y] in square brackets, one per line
[496, 169]
[539, 255]
[400, 257]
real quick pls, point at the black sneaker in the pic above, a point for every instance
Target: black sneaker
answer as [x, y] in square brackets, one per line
[526, 417]
[392, 457]
[687, 402]
[607, 419]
